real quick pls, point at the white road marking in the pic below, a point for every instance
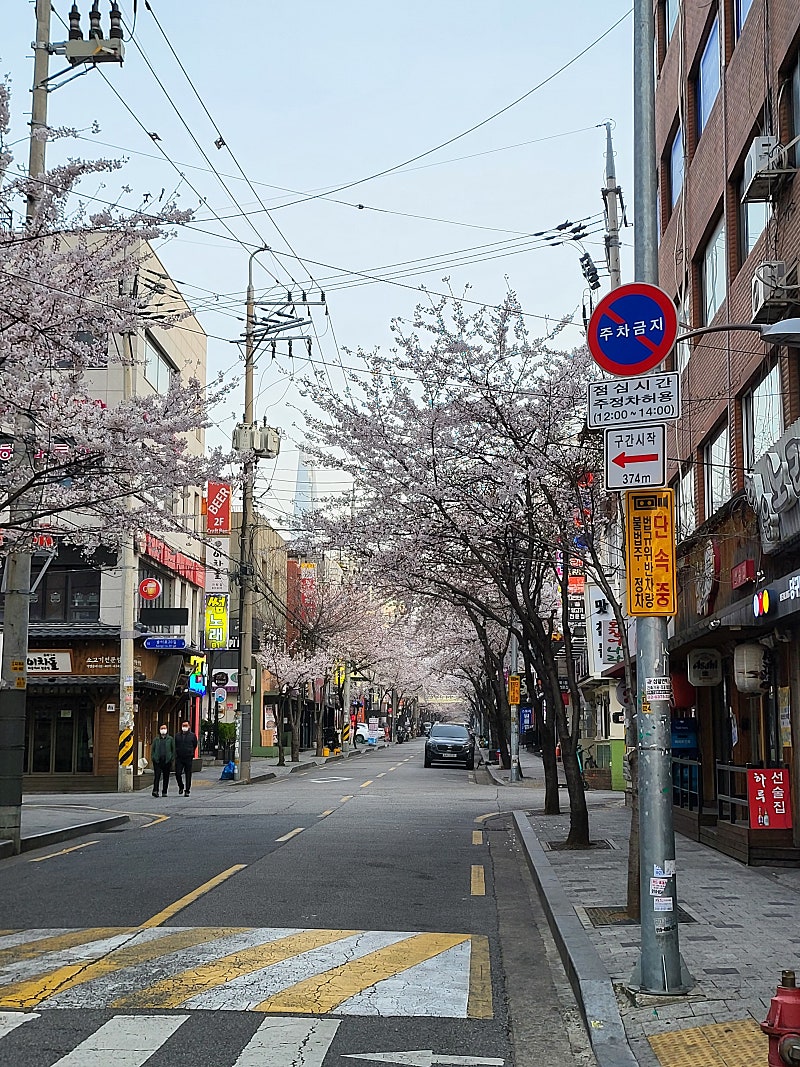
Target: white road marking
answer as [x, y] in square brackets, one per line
[10, 1020]
[424, 1057]
[409, 993]
[330, 778]
[281, 1041]
[125, 1041]
[291, 834]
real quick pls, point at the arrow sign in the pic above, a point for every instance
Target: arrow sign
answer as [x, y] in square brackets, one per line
[425, 1058]
[623, 460]
[636, 457]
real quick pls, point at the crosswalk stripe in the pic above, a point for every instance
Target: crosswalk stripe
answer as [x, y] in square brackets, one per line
[10, 1020]
[173, 991]
[50, 942]
[325, 992]
[125, 1041]
[281, 1041]
[147, 946]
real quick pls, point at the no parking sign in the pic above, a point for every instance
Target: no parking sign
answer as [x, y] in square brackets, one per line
[633, 329]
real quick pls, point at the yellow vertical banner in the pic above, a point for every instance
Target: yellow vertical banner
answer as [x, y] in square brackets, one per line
[513, 689]
[650, 552]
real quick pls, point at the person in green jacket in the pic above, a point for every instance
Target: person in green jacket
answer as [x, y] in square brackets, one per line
[162, 753]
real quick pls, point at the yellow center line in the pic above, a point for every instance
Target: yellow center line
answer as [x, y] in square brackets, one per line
[24, 995]
[479, 1003]
[381, 774]
[324, 992]
[343, 799]
[483, 818]
[477, 837]
[365, 784]
[178, 988]
[478, 881]
[161, 917]
[63, 852]
[291, 834]
[157, 819]
[326, 813]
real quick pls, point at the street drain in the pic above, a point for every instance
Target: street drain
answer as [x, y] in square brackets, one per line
[618, 916]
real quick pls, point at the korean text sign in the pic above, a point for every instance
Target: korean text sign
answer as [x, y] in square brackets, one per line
[650, 552]
[216, 621]
[768, 799]
[218, 508]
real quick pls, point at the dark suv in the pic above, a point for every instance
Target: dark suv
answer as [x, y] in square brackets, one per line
[447, 743]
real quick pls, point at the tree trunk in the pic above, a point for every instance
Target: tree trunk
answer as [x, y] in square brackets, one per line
[634, 902]
[296, 736]
[578, 836]
[281, 717]
[552, 798]
[318, 728]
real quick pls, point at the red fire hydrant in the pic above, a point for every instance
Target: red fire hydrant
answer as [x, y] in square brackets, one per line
[782, 1024]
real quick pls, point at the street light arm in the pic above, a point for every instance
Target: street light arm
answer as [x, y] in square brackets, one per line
[786, 331]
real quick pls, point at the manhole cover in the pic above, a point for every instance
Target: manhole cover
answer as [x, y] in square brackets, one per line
[618, 916]
[561, 846]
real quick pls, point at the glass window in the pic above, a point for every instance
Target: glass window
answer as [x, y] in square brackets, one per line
[676, 166]
[762, 410]
[157, 368]
[708, 77]
[718, 471]
[714, 273]
[673, 6]
[753, 219]
[683, 349]
[685, 510]
[742, 11]
[796, 109]
[66, 596]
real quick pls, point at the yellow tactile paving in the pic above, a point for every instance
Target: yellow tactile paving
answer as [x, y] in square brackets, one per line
[325, 992]
[734, 1044]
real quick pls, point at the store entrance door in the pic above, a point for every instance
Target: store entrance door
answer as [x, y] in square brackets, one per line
[59, 738]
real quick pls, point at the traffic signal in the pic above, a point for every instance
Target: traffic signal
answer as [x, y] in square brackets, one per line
[589, 271]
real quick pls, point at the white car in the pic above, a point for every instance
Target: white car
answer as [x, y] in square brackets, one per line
[362, 733]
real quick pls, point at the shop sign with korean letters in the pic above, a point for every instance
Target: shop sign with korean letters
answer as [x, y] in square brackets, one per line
[650, 552]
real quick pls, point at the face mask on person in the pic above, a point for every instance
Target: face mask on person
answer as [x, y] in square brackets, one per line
[163, 731]
[185, 729]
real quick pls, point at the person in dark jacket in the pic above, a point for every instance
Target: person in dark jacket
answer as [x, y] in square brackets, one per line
[185, 747]
[162, 753]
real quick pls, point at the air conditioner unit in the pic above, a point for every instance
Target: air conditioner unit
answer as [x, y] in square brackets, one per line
[770, 295]
[759, 169]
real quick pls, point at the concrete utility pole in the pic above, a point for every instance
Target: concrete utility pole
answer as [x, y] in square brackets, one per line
[129, 572]
[515, 775]
[346, 698]
[660, 968]
[611, 195]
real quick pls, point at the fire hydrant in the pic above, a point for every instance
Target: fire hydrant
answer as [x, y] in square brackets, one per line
[782, 1024]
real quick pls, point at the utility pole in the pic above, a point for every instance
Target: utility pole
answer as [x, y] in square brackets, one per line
[660, 969]
[129, 571]
[611, 198]
[514, 707]
[346, 698]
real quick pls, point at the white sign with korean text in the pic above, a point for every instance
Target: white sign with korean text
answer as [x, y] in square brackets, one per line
[217, 564]
[47, 662]
[636, 457]
[634, 401]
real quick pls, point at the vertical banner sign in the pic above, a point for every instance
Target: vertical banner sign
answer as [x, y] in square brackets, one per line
[217, 564]
[650, 552]
[218, 508]
[513, 689]
[768, 799]
[215, 630]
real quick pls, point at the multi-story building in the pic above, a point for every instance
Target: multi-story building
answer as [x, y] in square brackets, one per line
[728, 123]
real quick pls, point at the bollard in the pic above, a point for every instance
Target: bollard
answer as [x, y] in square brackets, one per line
[782, 1024]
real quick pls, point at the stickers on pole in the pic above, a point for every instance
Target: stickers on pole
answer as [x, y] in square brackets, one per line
[657, 689]
[650, 552]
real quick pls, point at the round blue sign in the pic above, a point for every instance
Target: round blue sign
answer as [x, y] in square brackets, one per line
[633, 329]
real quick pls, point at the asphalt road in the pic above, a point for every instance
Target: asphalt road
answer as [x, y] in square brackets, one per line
[367, 911]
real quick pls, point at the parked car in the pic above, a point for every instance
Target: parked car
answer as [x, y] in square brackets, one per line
[449, 743]
[362, 733]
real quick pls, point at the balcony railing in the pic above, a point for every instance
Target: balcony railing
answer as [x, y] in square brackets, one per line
[732, 806]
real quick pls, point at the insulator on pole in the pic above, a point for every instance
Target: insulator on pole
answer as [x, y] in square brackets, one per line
[116, 21]
[75, 32]
[95, 29]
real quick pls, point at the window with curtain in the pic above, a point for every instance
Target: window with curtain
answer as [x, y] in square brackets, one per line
[708, 77]
[713, 269]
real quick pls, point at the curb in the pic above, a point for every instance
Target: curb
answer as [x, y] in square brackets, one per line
[6, 849]
[588, 977]
[52, 837]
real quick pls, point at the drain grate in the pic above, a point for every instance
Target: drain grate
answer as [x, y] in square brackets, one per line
[618, 916]
[561, 846]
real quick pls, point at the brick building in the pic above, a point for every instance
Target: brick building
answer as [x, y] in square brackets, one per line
[728, 120]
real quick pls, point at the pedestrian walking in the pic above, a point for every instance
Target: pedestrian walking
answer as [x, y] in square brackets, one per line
[162, 753]
[185, 747]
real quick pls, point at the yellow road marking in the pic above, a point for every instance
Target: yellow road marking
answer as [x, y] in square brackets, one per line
[326, 813]
[323, 993]
[483, 818]
[381, 775]
[291, 834]
[365, 784]
[479, 1003]
[477, 837]
[157, 819]
[161, 917]
[63, 852]
[177, 989]
[393, 768]
[477, 881]
[56, 942]
[739, 1043]
[23, 996]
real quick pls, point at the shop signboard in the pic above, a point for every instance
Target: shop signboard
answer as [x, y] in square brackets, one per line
[215, 630]
[45, 661]
[217, 565]
[218, 508]
[768, 798]
[650, 552]
[704, 667]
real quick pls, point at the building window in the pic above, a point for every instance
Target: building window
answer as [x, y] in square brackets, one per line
[685, 507]
[796, 109]
[676, 154]
[683, 349]
[714, 273]
[753, 219]
[708, 77]
[157, 368]
[742, 11]
[65, 595]
[762, 411]
[672, 9]
[718, 471]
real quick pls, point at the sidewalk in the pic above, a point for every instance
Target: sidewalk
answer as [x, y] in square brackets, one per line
[48, 818]
[738, 933]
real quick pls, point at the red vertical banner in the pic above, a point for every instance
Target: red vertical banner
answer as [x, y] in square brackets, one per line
[218, 508]
[768, 798]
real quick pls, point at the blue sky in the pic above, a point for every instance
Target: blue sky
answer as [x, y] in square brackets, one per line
[310, 96]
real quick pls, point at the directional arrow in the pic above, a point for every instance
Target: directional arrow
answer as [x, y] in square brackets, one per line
[425, 1058]
[622, 460]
